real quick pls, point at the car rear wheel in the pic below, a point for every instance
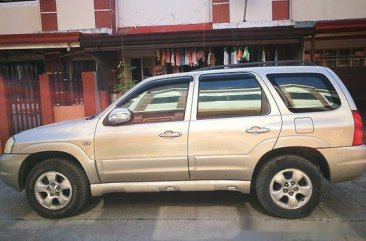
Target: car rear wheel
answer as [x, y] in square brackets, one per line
[57, 188]
[288, 186]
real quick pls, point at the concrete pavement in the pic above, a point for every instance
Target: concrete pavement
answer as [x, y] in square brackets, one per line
[341, 215]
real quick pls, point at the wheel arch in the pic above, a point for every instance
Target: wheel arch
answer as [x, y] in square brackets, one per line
[35, 158]
[64, 149]
[310, 154]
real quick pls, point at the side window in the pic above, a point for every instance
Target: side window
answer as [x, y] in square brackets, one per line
[161, 103]
[305, 92]
[230, 95]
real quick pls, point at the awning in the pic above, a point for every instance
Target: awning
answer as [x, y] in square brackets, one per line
[216, 37]
[339, 34]
[345, 25]
[40, 41]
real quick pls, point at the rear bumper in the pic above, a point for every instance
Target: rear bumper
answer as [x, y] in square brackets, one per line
[9, 168]
[345, 163]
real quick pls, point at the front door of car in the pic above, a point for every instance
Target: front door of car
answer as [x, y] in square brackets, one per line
[153, 145]
[234, 121]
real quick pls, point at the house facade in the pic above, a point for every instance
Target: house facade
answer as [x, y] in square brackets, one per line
[59, 58]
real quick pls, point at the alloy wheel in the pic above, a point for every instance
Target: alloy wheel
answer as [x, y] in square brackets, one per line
[53, 190]
[291, 188]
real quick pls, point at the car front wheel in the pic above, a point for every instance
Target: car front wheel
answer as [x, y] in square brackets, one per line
[57, 188]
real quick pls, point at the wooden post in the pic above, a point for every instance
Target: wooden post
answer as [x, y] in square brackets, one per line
[90, 93]
[45, 86]
[5, 128]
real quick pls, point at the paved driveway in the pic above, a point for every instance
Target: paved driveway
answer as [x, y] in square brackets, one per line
[341, 215]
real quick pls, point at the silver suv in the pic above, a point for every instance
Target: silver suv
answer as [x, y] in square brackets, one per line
[274, 131]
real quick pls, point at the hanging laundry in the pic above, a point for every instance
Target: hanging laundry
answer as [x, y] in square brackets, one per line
[209, 57]
[239, 55]
[178, 57]
[163, 56]
[263, 55]
[172, 57]
[246, 54]
[182, 56]
[182, 53]
[167, 56]
[186, 62]
[212, 59]
[233, 56]
[201, 55]
[226, 56]
[158, 54]
[190, 57]
[194, 58]
[187, 57]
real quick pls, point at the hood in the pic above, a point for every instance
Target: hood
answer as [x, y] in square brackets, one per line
[71, 131]
[57, 124]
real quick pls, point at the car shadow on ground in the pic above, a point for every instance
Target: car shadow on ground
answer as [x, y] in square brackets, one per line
[337, 217]
[189, 216]
[141, 201]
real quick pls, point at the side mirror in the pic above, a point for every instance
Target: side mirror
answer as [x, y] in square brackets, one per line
[120, 115]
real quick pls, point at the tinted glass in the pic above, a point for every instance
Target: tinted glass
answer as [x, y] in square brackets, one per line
[305, 92]
[230, 96]
[158, 104]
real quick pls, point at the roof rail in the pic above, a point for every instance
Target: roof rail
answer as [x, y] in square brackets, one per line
[260, 64]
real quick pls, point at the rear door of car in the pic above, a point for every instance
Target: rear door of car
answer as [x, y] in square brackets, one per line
[232, 114]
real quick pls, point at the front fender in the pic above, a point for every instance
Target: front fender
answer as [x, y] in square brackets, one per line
[69, 148]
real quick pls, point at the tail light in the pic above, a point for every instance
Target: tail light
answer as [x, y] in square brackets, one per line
[358, 134]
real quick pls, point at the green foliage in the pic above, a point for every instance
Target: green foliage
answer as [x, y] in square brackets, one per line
[124, 86]
[125, 82]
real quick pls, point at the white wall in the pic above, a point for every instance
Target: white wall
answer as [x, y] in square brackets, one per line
[72, 14]
[303, 10]
[20, 17]
[257, 10]
[162, 12]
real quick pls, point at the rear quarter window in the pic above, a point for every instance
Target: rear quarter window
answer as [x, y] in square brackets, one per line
[305, 92]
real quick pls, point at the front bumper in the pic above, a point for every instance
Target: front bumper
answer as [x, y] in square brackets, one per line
[9, 168]
[345, 163]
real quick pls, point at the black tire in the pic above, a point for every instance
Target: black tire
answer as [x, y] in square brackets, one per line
[75, 175]
[273, 167]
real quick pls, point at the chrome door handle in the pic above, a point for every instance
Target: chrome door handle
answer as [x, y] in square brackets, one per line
[170, 134]
[257, 130]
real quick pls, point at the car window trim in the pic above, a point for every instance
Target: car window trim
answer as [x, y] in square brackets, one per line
[154, 83]
[301, 109]
[230, 74]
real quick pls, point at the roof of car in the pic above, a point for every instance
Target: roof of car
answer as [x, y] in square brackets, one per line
[286, 63]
